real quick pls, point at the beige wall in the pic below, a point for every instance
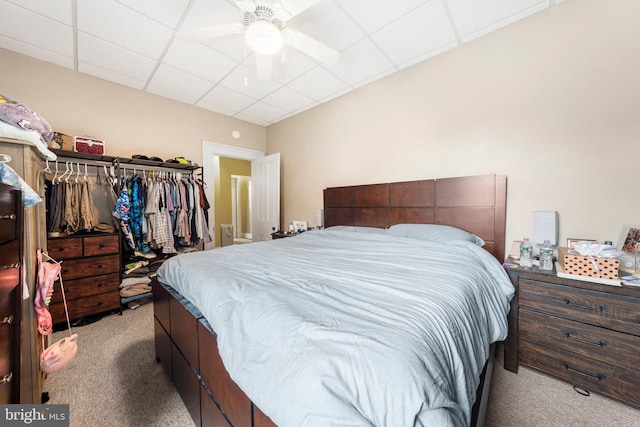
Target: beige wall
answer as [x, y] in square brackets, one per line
[129, 120]
[553, 102]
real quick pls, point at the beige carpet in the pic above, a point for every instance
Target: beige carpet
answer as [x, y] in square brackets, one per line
[115, 381]
[531, 399]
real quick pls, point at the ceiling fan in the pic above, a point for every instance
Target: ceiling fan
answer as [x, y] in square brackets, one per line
[264, 24]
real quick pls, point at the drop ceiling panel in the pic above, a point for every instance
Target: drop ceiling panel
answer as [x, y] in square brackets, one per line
[107, 56]
[120, 25]
[360, 62]
[18, 24]
[133, 43]
[222, 97]
[318, 83]
[288, 100]
[261, 112]
[372, 16]
[112, 76]
[180, 81]
[472, 16]
[432, 30]
[59, 10]
[166, 12]
[198, 60]
[327, 22]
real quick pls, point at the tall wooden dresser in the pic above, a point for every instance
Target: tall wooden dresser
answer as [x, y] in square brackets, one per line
[584, 333]
[27, 162]
[11, 223]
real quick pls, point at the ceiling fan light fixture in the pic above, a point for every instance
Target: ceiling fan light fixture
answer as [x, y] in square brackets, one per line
[264, 37]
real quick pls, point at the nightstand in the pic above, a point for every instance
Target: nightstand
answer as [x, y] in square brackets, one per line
[282, 235]
[584, 333]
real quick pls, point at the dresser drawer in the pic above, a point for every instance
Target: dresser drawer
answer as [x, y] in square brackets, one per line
[616, 348]
[86, 267]
[592, 375]
[613, 311]
[80, 288]
[85, 306]
[60, 249]
[100, 245]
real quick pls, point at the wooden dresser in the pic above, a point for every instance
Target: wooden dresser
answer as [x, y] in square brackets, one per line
[91, 275]
[584, 333]
[11, 224]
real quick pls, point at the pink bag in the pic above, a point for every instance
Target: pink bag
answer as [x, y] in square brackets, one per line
[59, 354]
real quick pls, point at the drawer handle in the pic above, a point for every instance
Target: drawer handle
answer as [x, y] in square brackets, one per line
[601, 308]
[7, 378]
[8, 320]
[10, 216]
[600, 344]
[10, 266]
[598, 377]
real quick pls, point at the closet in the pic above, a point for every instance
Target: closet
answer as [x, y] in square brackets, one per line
[156, 204]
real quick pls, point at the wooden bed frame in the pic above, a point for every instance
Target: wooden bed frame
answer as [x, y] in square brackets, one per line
[184, 340]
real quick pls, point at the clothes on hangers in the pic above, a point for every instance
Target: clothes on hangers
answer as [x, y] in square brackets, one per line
[163, 213]
[70, 205]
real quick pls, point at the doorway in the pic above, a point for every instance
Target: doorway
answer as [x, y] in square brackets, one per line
[211, 154]
[241, 208]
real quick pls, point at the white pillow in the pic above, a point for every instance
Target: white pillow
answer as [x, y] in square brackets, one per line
[357, 229]
[433, 233]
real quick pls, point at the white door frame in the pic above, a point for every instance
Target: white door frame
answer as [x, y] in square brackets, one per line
[211, 173]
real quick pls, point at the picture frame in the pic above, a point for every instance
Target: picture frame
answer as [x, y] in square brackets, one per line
[573, 241]
[300, 226]
[629, 239]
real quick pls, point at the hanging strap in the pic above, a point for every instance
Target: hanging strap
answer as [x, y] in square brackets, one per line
[64, 298]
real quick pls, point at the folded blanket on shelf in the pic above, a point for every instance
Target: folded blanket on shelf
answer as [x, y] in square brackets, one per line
[132, 290]
[16, 114]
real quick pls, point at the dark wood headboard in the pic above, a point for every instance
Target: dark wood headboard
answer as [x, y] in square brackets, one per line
[476, 204]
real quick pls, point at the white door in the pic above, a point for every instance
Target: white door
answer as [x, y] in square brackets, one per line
[265, 196]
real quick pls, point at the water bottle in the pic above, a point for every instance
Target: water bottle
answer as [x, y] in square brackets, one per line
[546, 256]
[526, 253]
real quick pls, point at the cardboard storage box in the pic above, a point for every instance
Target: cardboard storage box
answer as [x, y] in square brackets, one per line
[64, 141]
[584, 266]
[85, 144]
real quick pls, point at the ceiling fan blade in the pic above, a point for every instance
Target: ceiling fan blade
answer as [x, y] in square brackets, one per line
[210, 32]
[264, 66]
[246, 5]
[310, 46]
[295, 7]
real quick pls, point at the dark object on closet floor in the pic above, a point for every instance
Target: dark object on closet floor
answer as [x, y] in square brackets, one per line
[45, 397]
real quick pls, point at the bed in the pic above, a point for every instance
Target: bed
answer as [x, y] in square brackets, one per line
[386, 317]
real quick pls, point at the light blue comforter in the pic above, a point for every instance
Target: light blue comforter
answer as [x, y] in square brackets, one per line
[337, 328]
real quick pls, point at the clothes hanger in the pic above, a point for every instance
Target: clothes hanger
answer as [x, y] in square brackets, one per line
[5, 158]
[78, 172]
[55, 177]
[47, 169]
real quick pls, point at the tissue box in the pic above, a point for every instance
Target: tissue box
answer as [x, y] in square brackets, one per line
[583, 266]
[83, 144]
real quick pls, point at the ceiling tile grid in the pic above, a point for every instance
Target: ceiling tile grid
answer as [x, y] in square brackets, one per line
[134, 43]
